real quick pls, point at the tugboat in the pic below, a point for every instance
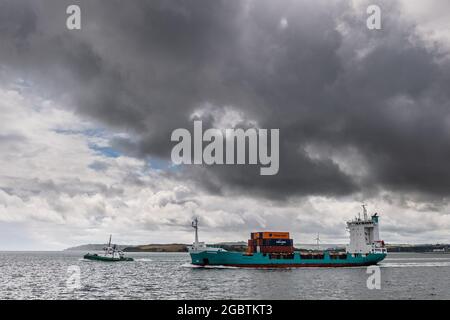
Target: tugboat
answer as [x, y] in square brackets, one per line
[275, 249]
[111, 253]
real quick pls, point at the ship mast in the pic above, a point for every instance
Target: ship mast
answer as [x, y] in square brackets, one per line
[365, 212]
[195, 226]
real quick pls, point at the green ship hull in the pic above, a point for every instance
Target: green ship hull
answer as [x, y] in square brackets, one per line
[261, 260]
[97, 257]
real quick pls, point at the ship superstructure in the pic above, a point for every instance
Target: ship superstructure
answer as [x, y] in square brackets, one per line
[198, 247]
[365, 234]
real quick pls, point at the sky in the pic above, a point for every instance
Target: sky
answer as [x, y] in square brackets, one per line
[86, 118]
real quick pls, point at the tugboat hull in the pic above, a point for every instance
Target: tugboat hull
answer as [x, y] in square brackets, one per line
[97, 257]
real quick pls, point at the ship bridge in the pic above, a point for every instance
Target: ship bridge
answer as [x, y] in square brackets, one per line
[364, 234]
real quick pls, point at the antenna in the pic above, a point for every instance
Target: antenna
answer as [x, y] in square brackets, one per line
[109, 243]
[195, 226]
[365, 212]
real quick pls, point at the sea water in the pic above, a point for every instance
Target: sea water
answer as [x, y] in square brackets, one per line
[48, 275]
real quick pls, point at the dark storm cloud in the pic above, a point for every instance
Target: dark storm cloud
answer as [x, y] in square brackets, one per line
[143, 67]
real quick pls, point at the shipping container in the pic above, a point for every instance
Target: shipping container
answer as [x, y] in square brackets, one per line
[275, 235]
[259, 242]
[256, 235]
[281, 256]
[311, 256]
[278, 242]
[269, 235]
[275, 249]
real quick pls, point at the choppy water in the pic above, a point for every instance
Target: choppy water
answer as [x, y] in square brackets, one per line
[43, 275]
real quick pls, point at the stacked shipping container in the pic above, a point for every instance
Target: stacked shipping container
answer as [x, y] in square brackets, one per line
[270, 242]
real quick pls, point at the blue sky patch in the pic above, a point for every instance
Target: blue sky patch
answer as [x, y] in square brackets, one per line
[105, 151]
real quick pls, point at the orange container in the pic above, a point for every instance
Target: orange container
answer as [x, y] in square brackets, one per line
[256, 235]
[269, 235]
[275, 235]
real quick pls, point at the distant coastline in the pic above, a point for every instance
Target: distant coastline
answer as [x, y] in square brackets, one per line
[242, 246]
[169, 247]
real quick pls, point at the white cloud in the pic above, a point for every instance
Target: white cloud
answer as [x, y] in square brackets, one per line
[431, 18]
[50, 191]
[224, 117]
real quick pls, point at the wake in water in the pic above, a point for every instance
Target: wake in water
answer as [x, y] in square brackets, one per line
[143, 259]
[382, 265]
[417, 259]
[85, 260]
[414, 264]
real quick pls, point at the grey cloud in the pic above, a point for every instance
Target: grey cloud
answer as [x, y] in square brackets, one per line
[26, 188]
[99, 165]
[146, 66]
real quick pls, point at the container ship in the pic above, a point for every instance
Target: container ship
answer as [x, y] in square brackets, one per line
[276, 249]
